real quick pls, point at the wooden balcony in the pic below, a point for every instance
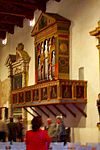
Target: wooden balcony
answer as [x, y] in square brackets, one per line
[59, 94]
[52, 92]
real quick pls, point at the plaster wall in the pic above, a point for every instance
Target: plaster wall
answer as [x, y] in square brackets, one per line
[84, 16]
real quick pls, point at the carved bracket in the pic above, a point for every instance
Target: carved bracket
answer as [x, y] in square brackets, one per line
[76, 106]
[34, 110]
[70, 110]
[40, 108]
[29, 111]
[59, 110]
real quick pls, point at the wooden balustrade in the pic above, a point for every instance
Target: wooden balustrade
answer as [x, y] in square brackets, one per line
[52, 92]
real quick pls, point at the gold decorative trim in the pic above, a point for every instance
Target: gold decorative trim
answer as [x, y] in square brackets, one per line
[98, 125]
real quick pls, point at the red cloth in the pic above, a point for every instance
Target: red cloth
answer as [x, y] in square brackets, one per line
[38, 140]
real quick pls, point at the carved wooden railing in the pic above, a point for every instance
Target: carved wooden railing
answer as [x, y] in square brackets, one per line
[51, 92]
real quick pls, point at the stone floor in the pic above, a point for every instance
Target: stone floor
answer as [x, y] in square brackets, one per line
[53, 146]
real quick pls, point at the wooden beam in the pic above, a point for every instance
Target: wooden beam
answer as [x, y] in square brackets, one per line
[17, 11]
[47, 107]
[35, 111]
[11, 23]
[60, 111]
[76, 106]
[11, 20]
[2, 34]
[27, 5]
[69, 110]
[29, 111]
[57, 0]
[7, 28]
[12, 14]
[41, 6]
[39, 107]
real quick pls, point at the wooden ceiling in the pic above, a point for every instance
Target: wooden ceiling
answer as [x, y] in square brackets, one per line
[13, 12]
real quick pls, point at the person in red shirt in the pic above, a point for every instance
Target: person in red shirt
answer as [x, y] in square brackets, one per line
[37, 139]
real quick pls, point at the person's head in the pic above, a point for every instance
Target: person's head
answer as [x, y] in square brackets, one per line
[20, 46]
[58, 120]
[36, 123]
[11, 119]
[99, 96]
[49, 121]
[19, 118]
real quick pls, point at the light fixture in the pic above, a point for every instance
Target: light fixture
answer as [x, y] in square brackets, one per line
[4, 41]
[32, 22]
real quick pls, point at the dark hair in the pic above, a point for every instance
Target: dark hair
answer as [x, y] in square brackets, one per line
[11, 119]
[36, 123]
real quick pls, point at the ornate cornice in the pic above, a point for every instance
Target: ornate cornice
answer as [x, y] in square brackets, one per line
[96, 33]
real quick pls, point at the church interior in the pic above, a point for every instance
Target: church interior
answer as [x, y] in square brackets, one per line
[50, 63]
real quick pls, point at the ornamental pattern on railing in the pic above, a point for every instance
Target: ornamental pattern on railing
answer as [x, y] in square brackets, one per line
[59, 90]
